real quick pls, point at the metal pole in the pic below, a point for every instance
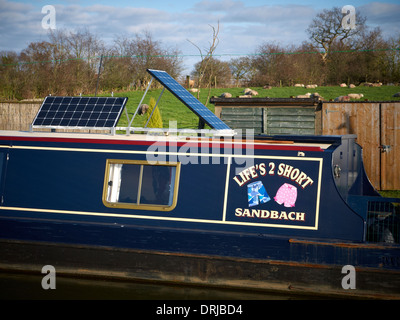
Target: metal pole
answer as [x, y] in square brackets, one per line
[140, 103]
[154, 107]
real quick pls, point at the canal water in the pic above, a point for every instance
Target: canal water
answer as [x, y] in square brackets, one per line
[21, 286]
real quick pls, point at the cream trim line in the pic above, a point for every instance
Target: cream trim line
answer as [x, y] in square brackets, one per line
[223, 221]
[228, 169]
[231, 155]
[156, 218]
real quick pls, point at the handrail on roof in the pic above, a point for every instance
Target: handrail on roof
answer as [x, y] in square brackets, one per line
[177, 90]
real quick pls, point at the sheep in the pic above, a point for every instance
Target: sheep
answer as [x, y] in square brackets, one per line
[370, 84]
[352, 86]
[311, 86]
[194, 90]
[246, 90]
[366, 84]
[267, 87]
[316, 95]
[143, 109]
[342, 98]
[250, 92]
[191, 83]
[226, 95]
[307, 95]
[343, 85]
[299, 85]
[355, 95]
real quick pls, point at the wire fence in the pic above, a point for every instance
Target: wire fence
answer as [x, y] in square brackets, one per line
[196, 55]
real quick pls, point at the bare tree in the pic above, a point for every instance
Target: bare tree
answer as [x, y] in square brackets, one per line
[241, 69]
[143, 52]
[10, 79]
[326, 28]
[217, 71]
[392, 59]
[206, 59]
[271, 65]
[125, 63]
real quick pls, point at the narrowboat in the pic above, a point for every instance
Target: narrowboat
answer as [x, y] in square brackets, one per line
[207, 207]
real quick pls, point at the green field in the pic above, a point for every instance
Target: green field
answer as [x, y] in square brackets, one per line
[172, 109]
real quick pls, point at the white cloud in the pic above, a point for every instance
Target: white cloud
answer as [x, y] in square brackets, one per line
[18, 23]
[380, 13]
[244, 25]
[217, 6]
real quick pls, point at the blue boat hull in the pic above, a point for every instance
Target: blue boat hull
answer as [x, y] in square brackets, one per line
[296, 233]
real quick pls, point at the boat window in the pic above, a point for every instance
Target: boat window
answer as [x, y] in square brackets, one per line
[133, 184]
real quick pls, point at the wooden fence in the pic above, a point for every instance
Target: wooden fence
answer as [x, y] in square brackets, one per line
[18, 115]
[376, 124]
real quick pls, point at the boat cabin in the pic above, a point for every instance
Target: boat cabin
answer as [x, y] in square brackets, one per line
[214, 193]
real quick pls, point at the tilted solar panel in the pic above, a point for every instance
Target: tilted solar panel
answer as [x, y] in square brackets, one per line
[188, 99]
[86, 112]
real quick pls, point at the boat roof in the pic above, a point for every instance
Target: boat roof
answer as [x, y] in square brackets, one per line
[135, 138]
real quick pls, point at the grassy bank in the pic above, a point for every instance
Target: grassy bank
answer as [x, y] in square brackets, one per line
[390, 193]
[172, 109]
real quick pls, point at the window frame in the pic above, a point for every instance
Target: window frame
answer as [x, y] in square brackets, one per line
[141, 163]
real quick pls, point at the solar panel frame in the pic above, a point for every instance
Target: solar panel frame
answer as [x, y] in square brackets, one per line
[79, 112]
[188, 99]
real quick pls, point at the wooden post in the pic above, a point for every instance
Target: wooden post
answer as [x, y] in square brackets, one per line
[188, 82]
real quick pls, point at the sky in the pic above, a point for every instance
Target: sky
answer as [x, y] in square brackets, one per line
[244, 25]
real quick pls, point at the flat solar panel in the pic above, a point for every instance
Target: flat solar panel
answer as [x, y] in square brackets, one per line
[188, 99]
[86, 112]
